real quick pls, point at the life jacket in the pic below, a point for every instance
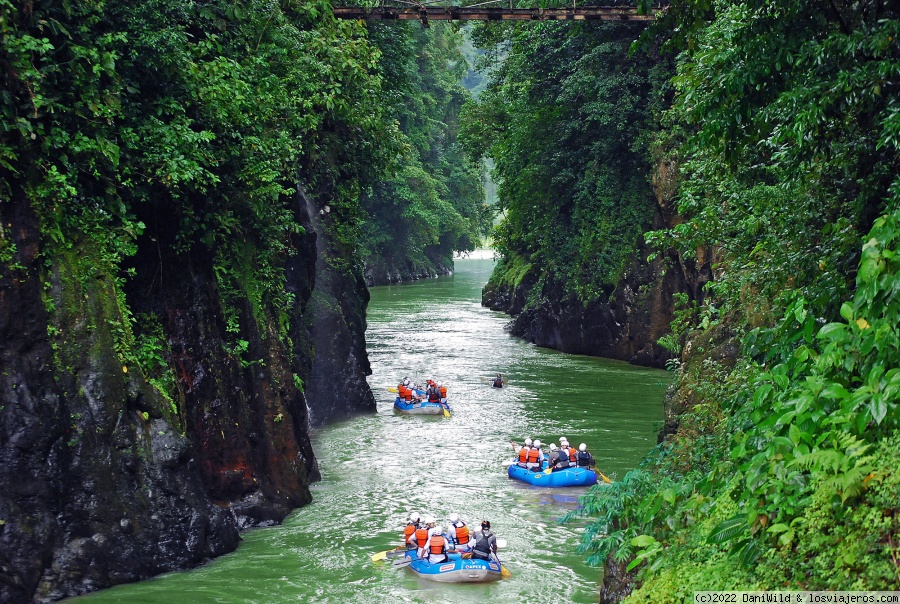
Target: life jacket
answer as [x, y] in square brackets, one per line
[462, 534]
[534, 455]
[401, 391]
[584, 459]
[482, 546]
[523, 454]
[437, 544]
[408, 531]
[433, 395]
[498, 383]
[443, 391]
[421, 536]
[573, 454]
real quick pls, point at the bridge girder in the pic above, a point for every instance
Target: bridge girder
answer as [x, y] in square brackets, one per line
[481, 12]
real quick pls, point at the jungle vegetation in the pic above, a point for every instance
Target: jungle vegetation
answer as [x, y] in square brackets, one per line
[431, 203]
[205, 128]
[783, 125]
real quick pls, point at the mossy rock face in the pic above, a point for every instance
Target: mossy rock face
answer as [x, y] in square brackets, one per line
[107, 456]
[624, 321]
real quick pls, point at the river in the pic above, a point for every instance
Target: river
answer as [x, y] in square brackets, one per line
[376, 468]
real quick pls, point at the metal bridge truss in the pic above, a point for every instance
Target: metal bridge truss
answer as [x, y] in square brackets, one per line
[489, 10]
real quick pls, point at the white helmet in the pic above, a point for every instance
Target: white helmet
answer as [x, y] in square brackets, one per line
[414, 516]
[563, 440]
[582, 447]
[429, 520]
[440, 384]
[552, 447]
[438, 530]
[537, 444]
[453, 518]
[527, 442]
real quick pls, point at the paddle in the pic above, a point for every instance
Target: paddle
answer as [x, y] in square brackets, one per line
[392, 389]
[446, 409]
[504, 572]
[402, 563]
[382, 555]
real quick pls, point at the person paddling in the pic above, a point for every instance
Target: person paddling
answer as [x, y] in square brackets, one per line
[412, 524]
[498, 381]
[522, 453]
[485, 542]
[436, 546]
[459, 531]
[583, 458]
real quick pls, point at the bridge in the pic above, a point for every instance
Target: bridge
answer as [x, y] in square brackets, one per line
[495, 10]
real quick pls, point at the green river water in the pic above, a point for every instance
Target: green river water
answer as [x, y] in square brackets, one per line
[376, 468]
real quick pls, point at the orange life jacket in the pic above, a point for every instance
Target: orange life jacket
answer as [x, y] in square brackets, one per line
[421, 536]
[462, 534]
[401, 391]
[408, 531]
[437, 544]
[443, 392]
[572, 454]
[523, 454]
[534, 455]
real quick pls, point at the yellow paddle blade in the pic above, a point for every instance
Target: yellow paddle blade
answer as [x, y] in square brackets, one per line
[548, 471]
[446, 412]
[380, 556]
[604, 477]
[504, 573]
[392, 390]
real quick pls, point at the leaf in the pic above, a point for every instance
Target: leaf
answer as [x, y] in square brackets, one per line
[727, 530]
[668, 496]
[751, 552]
[795, 434]
[847, 311]
[778, 528]
[832, 331]
[643, 541]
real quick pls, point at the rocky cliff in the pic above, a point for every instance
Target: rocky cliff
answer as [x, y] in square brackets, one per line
[625, 322]
[113, 470]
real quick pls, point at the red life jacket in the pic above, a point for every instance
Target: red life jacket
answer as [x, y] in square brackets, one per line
[421, 536]
[462, 534]
[433, 395]
[534, 455]
[523, 454]
[437, 544]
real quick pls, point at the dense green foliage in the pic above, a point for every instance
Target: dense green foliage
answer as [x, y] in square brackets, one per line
[432, 203]
[198, 120]
[782, 474]
[566, 119]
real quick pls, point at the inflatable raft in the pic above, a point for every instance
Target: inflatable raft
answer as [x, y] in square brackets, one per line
[456, 569]
[419, 408]
[570, 477]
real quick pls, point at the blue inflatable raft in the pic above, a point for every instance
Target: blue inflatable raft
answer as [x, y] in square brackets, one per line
[419, 408]
[570, 477]
[456, 569]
